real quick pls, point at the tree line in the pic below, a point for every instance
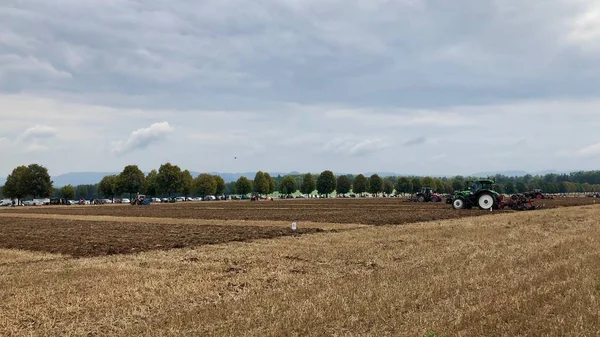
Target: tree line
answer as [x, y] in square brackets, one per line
[169, 180]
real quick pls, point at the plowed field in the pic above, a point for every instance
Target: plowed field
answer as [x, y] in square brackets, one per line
[371, 211]
[80, 238]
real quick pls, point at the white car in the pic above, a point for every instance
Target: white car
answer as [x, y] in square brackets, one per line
[125, 201]
[180, 199]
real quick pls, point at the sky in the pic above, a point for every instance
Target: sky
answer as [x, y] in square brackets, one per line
[429, 87]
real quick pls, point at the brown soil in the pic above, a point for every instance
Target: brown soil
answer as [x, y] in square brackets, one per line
[371, 211]
[80, 238]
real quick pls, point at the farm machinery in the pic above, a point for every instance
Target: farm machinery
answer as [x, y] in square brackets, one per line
[426, 194]
[141, 200]
[482, 195]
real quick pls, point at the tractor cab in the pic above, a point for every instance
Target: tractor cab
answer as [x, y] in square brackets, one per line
[426, 191]
[479, 185]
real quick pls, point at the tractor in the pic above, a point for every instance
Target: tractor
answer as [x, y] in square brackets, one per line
[426, 194]
[141, 200]
[481, 194]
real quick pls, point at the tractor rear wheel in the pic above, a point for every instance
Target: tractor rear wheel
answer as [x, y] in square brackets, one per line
[458, 203]
[485, 201]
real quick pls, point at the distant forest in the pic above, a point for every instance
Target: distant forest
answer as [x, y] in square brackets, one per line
[169, 180]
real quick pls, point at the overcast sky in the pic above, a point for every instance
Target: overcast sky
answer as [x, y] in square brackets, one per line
[407, 86]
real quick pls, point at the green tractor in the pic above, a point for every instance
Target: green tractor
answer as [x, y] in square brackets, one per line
[481, 195]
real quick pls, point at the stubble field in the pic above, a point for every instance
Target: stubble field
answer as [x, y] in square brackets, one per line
[236, 268]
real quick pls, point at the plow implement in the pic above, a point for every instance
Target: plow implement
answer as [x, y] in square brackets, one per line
[518, 202]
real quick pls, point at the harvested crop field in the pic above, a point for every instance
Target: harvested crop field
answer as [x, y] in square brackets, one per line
[505, 274]
[369, 211]
[87, 238]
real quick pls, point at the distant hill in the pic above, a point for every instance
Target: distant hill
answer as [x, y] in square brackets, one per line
[516, 173]
[80, 178]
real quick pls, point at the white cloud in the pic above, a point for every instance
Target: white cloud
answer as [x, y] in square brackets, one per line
[585, 27]
[591, 150]
[142, 138]
[38, 132]
[35, 147]
[354, 147]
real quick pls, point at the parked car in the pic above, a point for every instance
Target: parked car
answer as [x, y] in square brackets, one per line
[210, 198]
[125, 201]
[59, 201]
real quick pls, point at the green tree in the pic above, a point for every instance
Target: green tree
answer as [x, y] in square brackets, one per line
[308, 184]
[326, 183]
[206, 185]
[131, 180]
[499, 188]
[428, 182]
[270, 183]
[361, 184]
[509, 188]
[521, 187]
[187, 183]
[388, 187]
[152, 183]
[67, 192]
[344, 185]
[243, 186]
[108, 186]
[375, 184]
[38, 181]
[439, 186]
[169, 179]
[16, 185]
[261, 183]
[287, 185]
[230, 188]
[416, 184]
[404, 185]
[221, 185]
[458, 183]
[82, 191]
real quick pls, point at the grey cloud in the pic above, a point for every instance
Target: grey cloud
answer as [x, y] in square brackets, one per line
[303, 85]
[142, 138]
[416, 141]
[415, 53]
